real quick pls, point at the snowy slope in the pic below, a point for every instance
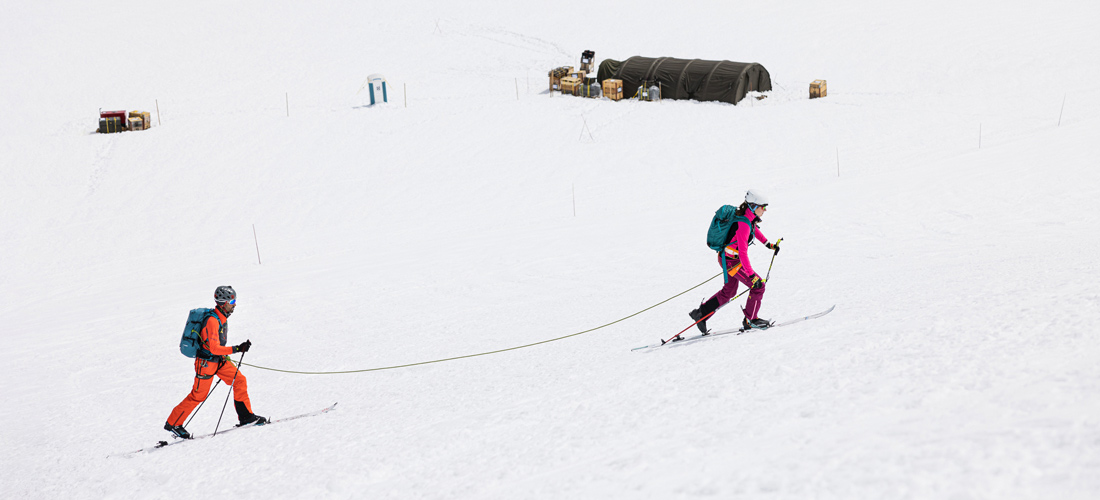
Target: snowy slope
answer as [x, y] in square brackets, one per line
[941, 196]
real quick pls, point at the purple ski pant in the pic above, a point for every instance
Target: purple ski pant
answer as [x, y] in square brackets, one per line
[752, 307]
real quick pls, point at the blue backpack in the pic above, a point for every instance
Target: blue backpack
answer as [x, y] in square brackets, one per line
[719, 234]
[191, 343]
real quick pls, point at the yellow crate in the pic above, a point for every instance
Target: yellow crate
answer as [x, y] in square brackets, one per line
[144, 116]
[569, 84]
[612, 89]
[818, 89]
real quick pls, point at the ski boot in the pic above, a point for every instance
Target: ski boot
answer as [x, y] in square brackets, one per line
[247, 417]
[177, 430]
[255, 420]
[705, 309]
[755, 324]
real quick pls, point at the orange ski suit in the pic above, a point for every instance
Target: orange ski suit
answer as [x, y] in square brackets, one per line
[213, 336]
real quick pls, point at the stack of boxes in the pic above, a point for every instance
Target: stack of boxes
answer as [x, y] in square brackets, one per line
[117, 121]
[111, 121]
[574, 83]
[139, 120]
[557, 74]
[570, 84]
[818, 89]
[587, 58]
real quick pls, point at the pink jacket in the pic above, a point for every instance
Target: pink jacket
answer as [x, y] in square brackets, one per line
[738, 248]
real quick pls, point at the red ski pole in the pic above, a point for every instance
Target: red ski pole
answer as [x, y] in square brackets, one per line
[704, 318]
[663, 342]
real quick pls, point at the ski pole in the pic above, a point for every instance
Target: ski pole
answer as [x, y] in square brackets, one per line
[773, 260]
[203, 402]
[704, 318]
[769, 275]
[230, 393]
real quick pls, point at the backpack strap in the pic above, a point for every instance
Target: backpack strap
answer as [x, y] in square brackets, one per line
[752, 228]
[203, 352]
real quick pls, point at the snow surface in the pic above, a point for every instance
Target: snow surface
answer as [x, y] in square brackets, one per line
[486, 214]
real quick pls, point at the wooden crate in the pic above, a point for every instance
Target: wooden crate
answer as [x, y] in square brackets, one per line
[578, 74]
[144, 116]
[570, 84]
[135, 123]
[556, 75]
[121, 115]
[613, 89]
[562, 71]
[817, 89]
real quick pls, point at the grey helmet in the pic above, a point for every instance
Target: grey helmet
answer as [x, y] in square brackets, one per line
[224, 294]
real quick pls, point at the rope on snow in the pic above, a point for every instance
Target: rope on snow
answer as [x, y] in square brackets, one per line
[489, 352]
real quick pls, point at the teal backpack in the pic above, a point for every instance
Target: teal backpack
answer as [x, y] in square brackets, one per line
[191, 343]
[720, 232]
[718, 236]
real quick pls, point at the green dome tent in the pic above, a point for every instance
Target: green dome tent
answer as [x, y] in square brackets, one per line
[697, 79]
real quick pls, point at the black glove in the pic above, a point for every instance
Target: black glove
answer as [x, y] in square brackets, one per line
[757, 281]
[774, 247]
[243, 347]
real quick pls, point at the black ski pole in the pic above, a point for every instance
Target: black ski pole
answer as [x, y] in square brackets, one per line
[733, 299]
[765, 277]
[196, 412]
[230, 393]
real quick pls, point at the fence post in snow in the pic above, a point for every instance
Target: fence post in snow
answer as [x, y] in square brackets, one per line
[158, 112]
[257, 240]
[1061, 110]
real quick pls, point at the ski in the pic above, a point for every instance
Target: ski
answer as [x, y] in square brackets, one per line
[164, 444]
[736, 331]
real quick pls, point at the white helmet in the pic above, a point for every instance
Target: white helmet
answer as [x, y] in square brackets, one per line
[755, 198]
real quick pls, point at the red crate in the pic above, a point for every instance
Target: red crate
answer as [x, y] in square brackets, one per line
[121, 115]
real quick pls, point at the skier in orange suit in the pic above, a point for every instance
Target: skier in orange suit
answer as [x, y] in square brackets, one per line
[213, 359]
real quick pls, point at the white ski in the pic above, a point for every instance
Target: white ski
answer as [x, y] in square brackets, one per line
[164, 444]
[698, 337]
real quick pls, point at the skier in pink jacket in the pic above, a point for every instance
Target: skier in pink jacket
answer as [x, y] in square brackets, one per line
[735, 262]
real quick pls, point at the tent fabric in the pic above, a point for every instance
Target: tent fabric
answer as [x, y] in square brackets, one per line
[724, 81]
